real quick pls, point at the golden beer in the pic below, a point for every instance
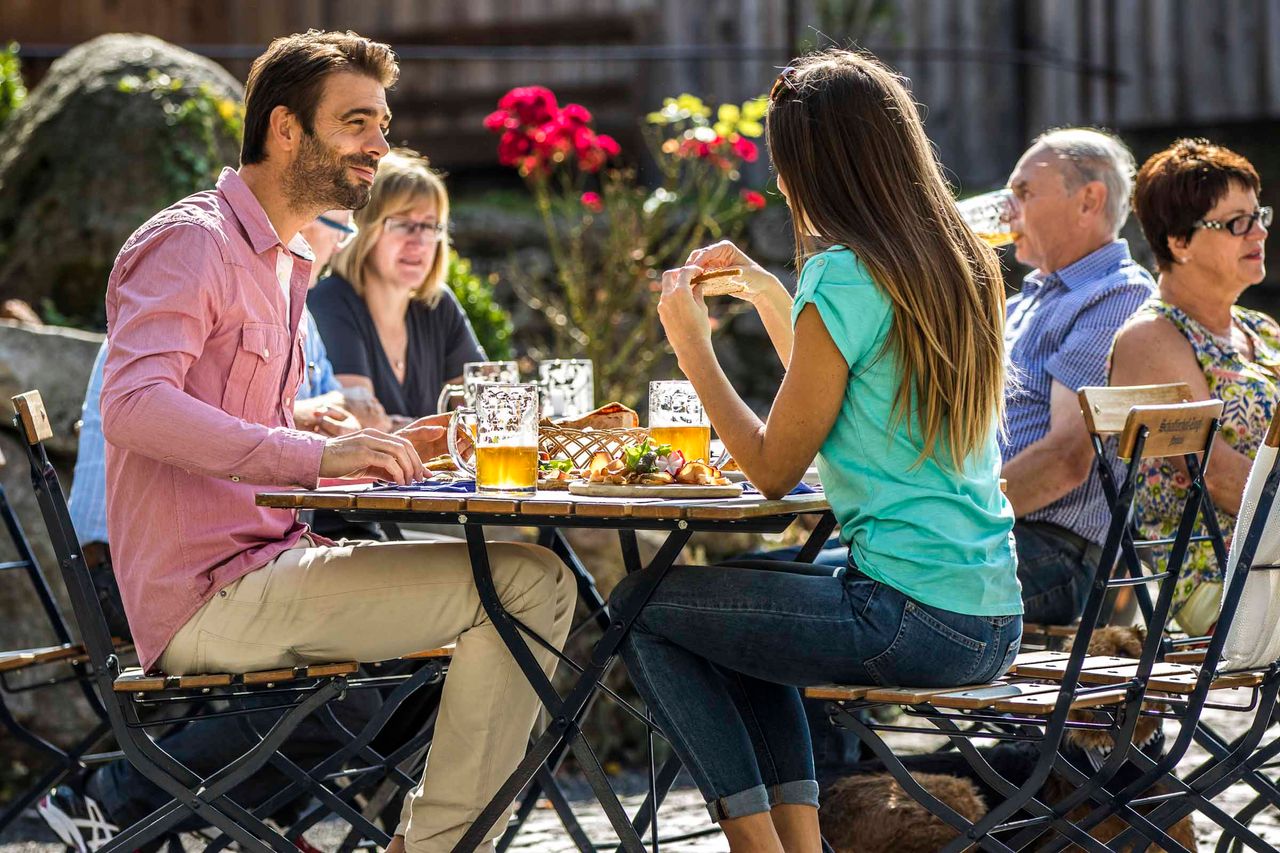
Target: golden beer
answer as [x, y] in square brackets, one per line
[693, 441]
[996, 239]
[504, 468]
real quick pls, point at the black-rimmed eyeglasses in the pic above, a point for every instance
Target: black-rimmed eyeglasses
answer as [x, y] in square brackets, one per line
[1238, 225]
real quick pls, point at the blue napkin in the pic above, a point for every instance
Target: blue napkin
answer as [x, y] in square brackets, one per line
[456, 487]
[800, 489]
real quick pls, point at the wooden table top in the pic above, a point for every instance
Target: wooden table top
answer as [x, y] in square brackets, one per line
[544, 504]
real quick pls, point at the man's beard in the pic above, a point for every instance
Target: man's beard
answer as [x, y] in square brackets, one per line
[318, 179]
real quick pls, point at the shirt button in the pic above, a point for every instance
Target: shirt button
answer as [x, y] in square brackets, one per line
[266, 353]
[288, 401]
[235, 478]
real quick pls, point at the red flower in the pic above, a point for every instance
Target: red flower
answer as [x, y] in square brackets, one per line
[575, 114]
[513, 147]
[753, 199]
[499, 120]
[746, 149]
[592, 202]
[531, 105]
[608, 145]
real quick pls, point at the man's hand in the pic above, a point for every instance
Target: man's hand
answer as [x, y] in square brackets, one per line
[429, 435]
[370, 453]
[326, 418]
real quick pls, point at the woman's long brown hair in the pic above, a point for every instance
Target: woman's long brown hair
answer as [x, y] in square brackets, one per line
[847, 142]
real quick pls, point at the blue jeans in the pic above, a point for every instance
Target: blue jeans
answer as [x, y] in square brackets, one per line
[1055, 567]
[719, 653]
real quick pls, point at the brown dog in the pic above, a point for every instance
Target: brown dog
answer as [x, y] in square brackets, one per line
[870, 813]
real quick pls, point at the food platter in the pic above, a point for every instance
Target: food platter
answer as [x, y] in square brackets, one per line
[635, 490]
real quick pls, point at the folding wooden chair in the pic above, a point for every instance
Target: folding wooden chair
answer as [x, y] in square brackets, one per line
[293, 692]
[1045, 691]
[1243, 653]
[27, 669]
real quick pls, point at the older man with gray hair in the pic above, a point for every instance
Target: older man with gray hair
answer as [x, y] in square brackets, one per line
[1072, 190]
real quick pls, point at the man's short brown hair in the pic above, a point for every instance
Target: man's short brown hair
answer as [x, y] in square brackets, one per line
[1177, 187]
[292, 72]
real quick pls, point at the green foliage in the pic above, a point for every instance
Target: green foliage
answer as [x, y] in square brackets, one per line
[201, 116]
[491, 322]
[12, 90]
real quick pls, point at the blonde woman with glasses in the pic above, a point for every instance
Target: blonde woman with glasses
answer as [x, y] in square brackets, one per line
[389, 320]
[895, 378]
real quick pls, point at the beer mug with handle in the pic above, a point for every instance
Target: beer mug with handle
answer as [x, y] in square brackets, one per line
[473, 373]
[505, 420]
[991, 215]
[676, 417]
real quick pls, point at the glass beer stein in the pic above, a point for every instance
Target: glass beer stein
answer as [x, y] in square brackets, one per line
[504, 425]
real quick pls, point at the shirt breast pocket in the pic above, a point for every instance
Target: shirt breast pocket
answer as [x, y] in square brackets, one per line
[257, 373]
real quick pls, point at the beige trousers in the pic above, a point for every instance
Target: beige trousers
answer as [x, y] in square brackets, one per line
[377, 601]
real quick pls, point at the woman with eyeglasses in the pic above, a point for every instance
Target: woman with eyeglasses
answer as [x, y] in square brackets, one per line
[1198, 205]
[894, 380]
[387, 317]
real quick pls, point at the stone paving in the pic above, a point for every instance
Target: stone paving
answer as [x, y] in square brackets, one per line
[684, 813]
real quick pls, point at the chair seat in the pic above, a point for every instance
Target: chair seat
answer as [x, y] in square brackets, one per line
[23, 658]
[1021, 697]
[134, 680]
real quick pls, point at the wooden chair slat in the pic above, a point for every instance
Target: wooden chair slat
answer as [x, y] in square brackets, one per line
[297, 673]
[1044, 703]
[432, 654]
[1191, 656]
[1106, 408]
[986, 696]
[916, 695]
[837, 692]
[1055, 668]
[1038, 657]
[1172, 430]
[1120, 674]
[35, 420]
[23, 658]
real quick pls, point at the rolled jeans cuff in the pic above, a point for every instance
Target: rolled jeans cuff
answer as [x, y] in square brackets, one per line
[803, 792]
[761, 799]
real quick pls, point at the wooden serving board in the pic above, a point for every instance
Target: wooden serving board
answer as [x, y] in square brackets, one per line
[608, 490]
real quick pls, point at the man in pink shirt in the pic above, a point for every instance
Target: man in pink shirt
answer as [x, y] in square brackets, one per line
[204, 362]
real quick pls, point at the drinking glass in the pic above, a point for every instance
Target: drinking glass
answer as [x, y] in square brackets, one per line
[568, 387]
[990, 216]
[504, 423]
[676, 417]
[473, 373]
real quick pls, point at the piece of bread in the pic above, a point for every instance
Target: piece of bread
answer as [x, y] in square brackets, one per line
[719, 282]
[444, 462]
[609, 416]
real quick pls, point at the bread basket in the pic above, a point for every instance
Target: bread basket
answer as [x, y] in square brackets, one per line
[578, 445]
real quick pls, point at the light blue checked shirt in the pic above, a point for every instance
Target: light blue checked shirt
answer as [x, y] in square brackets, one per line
[1061, 327]
[317, 376]
[88, 501]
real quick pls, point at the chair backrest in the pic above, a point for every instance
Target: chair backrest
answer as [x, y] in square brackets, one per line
[1175, 429]
[1251, 589]
[1106, 407]
[33, 422]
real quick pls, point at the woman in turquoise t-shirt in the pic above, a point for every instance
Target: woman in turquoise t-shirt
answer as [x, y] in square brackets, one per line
[895, 377]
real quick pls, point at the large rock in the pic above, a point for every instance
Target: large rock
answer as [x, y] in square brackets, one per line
[119, 128]
[54, 360]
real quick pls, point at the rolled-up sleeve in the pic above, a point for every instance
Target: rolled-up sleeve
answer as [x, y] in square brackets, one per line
[162, 308]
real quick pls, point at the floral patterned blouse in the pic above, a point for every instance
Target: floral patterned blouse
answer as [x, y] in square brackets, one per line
[1249, 391]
